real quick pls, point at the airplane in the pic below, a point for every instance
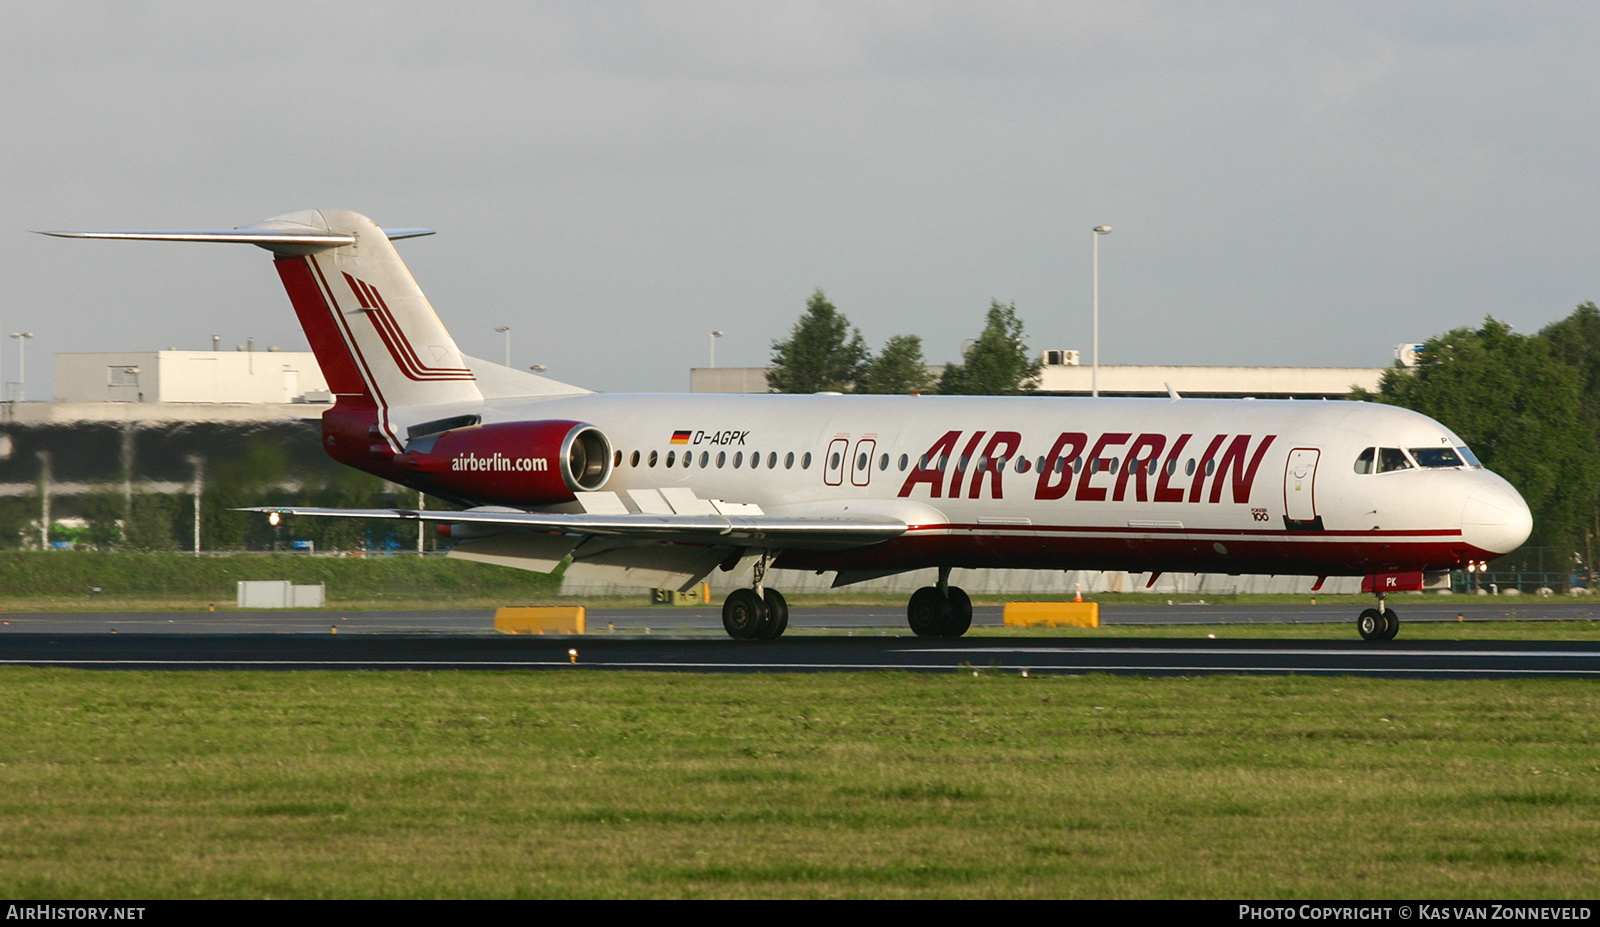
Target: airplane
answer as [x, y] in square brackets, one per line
[661, 490]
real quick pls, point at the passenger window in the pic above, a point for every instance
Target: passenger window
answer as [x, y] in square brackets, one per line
[653, 458]
[1364, 460]
[1391, 459]
[672, 457]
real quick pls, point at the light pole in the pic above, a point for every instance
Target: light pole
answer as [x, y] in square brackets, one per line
[199, 465]
[713, 341]
[22, 364]
[506, 330]
[1094, 373]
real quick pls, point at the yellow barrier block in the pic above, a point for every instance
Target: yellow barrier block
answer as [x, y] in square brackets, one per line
[1052, 614]
[551, 620]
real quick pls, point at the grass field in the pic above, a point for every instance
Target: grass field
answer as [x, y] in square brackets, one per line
[591, 784]
[86, 581]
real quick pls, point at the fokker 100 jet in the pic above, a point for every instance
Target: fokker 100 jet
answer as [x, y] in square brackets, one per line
[661, 490]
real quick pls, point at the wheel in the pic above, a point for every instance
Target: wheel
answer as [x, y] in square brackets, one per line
[1371, 624]
[777, 616]
[960, 613]
[743, 614]
[1391, 624]
[928, 612]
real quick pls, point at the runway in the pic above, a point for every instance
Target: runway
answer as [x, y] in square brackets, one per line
[463, 641]
[889, 618]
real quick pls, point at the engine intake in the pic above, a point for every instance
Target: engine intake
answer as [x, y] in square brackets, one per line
[514, 463]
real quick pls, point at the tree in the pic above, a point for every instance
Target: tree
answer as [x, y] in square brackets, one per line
[824, 352]
[1517, 406]
[898, 368]
[1575, 340]
[998, 364]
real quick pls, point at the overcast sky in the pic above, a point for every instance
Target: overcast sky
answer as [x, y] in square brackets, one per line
[1289, 183]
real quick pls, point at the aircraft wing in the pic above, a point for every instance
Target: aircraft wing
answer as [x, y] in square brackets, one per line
[792, 532]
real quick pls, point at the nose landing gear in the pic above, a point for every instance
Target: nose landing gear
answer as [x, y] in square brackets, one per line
[1378, 624]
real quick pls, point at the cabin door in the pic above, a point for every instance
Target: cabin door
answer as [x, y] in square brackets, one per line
[1299, 490]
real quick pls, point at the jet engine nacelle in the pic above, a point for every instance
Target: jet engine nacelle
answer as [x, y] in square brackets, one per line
[513, 463]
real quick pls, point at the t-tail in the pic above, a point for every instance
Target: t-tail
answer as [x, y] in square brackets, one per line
[379, 343]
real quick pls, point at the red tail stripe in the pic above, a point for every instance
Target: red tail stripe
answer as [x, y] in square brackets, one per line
[394, 339]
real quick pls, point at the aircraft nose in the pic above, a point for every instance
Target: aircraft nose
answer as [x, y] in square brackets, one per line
[1496, 519]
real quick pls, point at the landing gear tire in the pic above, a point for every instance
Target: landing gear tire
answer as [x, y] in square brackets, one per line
[928, 612]
[1391, 625]
[933, 615]
[744, 615]
[960, 613]
[1373, 625]
[777, 616]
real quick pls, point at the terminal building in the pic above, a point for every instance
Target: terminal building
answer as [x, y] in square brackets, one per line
[1062, 375]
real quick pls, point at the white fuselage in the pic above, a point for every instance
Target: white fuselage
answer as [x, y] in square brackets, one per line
[1149, 485]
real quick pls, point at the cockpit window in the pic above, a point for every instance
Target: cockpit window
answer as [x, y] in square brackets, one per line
[1436, 457]
[1364, 460]
[1469, 457]
[1392, 458]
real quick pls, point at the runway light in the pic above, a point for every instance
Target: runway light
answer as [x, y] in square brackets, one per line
[572, 655]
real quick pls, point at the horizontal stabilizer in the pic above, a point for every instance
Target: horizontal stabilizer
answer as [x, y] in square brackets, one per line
[277, 240]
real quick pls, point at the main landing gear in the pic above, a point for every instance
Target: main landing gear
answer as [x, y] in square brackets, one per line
[1378, 624]
[757, 614]
[747, 616]
[761, 614]
[940, 611]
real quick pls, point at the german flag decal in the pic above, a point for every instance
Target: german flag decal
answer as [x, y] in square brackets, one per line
[680, 437]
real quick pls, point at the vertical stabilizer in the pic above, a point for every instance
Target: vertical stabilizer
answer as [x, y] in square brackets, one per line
[377, 339]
